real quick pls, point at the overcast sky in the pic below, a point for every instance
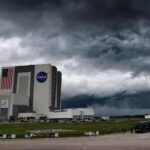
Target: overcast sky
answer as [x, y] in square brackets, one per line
[102, 47]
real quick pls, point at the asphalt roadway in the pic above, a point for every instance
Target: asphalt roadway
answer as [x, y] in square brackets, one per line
[126, 141]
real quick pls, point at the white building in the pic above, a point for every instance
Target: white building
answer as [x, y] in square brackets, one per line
[32, 88]
[72, 114]
[147, 116]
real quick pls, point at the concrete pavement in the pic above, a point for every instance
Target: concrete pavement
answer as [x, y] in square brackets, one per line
[125, 141]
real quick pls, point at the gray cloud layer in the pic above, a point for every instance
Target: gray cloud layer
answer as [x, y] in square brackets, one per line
[101, 46]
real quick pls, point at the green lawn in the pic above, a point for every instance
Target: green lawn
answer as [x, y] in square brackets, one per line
[104, 127]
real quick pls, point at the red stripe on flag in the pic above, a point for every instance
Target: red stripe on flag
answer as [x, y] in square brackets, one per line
[6, 82]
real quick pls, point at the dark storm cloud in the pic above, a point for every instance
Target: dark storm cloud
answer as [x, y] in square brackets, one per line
[121, 100]
[85, 37]
[33, 5]
[111, 15]
[105, 24]
[119, 104]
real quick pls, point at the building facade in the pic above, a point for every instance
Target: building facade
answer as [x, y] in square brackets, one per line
[72, 114]
[32, 88]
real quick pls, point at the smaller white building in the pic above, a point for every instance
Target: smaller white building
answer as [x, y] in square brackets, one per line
[147, 116]
[72, 114]
[105, 118]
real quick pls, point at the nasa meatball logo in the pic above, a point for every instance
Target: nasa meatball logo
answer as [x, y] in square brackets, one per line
[41, 77]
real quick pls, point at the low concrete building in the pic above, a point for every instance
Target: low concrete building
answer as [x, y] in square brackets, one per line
[147, 116]
[72, 114]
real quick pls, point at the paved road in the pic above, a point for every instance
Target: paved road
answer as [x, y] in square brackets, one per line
[125, 141]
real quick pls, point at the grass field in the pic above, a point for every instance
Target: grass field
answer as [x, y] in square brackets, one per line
[104, 127]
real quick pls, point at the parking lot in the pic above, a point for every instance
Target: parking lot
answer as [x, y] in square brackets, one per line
[123, 141]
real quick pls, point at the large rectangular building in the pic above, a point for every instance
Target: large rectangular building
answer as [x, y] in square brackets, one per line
[32, 88]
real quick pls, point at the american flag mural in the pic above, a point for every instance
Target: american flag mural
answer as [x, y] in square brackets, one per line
[7, 78]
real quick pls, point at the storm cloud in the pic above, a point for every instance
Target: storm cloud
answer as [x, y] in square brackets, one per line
[102, 47]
